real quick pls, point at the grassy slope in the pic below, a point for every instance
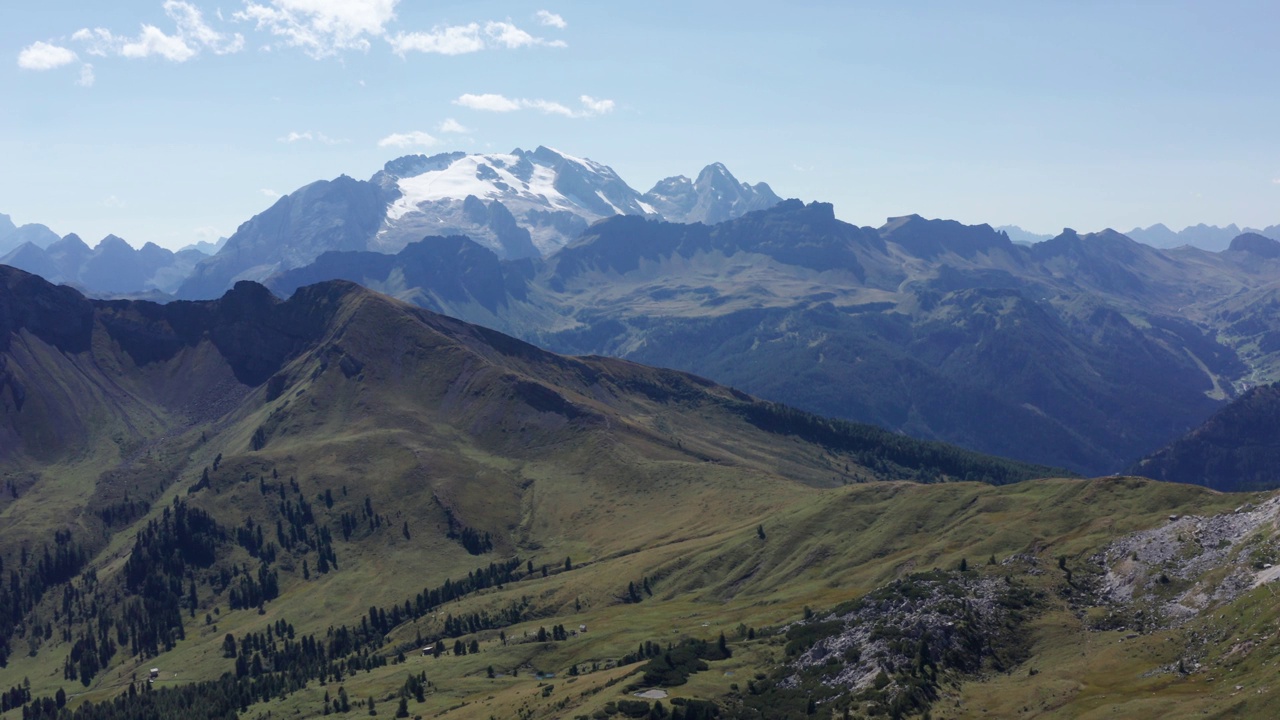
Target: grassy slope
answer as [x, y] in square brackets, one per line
[659, 485]
[822, 547]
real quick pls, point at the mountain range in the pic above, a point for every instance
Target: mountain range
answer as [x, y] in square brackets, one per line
[525, 204]
[12, 236]
[1085, 351]
[112, 267]
[1213, 238]
[1082, 351]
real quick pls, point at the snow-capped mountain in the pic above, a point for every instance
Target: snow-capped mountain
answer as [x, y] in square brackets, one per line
[551, 196]
[518, 204]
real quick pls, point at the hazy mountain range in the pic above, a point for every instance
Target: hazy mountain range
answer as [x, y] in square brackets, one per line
[112, 267]
[12, 236]
[1205, 237]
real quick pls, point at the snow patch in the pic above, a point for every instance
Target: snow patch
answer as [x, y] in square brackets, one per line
[462, 177]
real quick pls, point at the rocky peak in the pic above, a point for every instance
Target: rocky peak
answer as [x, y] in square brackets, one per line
[1255, 244]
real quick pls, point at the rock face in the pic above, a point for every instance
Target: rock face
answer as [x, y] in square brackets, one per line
[341, 214]
[714, 197]
[900, 638]
[1167, 575]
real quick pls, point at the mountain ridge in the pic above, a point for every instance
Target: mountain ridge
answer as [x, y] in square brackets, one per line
[951, 315]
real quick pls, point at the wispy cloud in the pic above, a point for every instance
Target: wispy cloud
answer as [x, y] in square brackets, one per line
[492, 102]
[309, 136]
[190, 36]
[416, 138]
[268, 192]
[45, 56]
[1275, 181]
[454, 40]
[86, 75]
[321, 28]
[596, 107]
[469, 38]
[509, 36]
[551, 19]
[111, 201]
[449, 125]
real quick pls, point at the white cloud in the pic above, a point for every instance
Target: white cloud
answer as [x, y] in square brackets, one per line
[191, 35]
[269, 193]
[548, 107]
[551, 19]
[416, 138]
[511, 37]
[454, 40]
[86, 76]
[309, 136]
[98, 41]
[449, 125]
[153, 41]
[469, 38]
[191, 26]
[321, 28]
[45, 56]
[112, 202]
[596, 107]
[1275, 181]
[491, 102]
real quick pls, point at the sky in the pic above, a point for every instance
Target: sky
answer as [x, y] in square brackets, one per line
[173, 121]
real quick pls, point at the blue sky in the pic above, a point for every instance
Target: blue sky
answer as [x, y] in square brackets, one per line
[176, 121]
